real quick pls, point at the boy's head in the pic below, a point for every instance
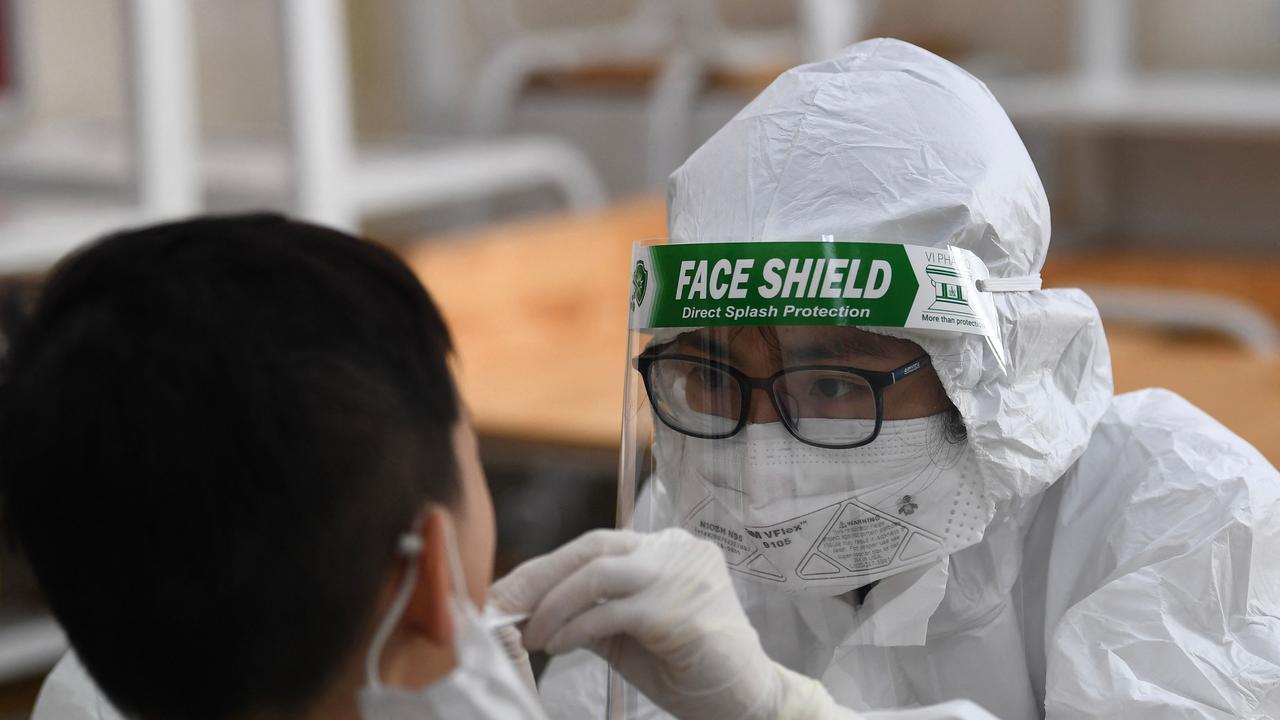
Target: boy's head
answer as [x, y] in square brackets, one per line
[211, 435]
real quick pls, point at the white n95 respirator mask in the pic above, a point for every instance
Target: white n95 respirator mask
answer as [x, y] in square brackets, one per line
[826, 521]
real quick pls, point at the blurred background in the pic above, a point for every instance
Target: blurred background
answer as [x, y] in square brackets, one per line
[512, 149]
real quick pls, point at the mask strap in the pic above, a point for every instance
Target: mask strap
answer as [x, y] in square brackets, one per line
[409, 547]
[457, 577]
[1010, 284]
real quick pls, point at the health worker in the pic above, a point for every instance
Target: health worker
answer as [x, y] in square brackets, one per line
[933, 496]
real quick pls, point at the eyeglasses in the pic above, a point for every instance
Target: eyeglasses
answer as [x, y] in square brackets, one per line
[827, 406]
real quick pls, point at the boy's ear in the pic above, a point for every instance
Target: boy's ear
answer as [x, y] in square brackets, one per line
[429, 613]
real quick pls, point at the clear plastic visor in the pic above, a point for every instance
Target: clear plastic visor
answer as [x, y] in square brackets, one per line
[823, 461]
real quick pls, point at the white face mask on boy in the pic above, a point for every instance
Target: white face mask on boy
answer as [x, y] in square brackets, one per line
[485, 683]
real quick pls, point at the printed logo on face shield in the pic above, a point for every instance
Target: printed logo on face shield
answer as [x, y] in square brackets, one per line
[948, 290]
[639, 283]
[906, 506]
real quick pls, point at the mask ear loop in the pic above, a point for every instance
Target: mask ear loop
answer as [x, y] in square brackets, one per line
[409, 547]
[457, 577]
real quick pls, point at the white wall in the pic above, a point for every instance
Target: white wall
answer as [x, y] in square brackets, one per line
[72, 58]
[74, 55]
[74, 47]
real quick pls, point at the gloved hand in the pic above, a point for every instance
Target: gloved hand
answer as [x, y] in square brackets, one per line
[660, 608]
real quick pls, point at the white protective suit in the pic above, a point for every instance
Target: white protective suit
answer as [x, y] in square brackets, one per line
[1132, 569]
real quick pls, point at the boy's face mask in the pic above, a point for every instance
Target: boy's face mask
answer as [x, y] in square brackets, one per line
[485, 683]
[807, 519]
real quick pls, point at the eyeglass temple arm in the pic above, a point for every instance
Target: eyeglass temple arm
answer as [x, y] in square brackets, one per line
[910, 368]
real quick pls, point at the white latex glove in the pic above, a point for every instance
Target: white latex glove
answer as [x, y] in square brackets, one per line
[661, 609]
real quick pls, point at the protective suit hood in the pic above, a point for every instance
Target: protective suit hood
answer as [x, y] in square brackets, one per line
[890, 143]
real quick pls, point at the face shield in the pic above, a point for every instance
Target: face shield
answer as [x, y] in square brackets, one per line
[765, 413]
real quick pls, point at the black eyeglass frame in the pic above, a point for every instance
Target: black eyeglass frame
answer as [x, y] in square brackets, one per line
[878, 380]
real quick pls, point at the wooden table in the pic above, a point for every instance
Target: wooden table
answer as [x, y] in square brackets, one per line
[1249, 279]
[538, 312]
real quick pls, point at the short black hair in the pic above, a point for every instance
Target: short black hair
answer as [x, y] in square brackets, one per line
[211, 434]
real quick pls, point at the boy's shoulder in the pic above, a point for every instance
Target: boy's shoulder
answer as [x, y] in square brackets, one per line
[68, 693]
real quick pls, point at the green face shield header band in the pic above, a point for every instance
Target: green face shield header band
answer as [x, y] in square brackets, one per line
[810, 283]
